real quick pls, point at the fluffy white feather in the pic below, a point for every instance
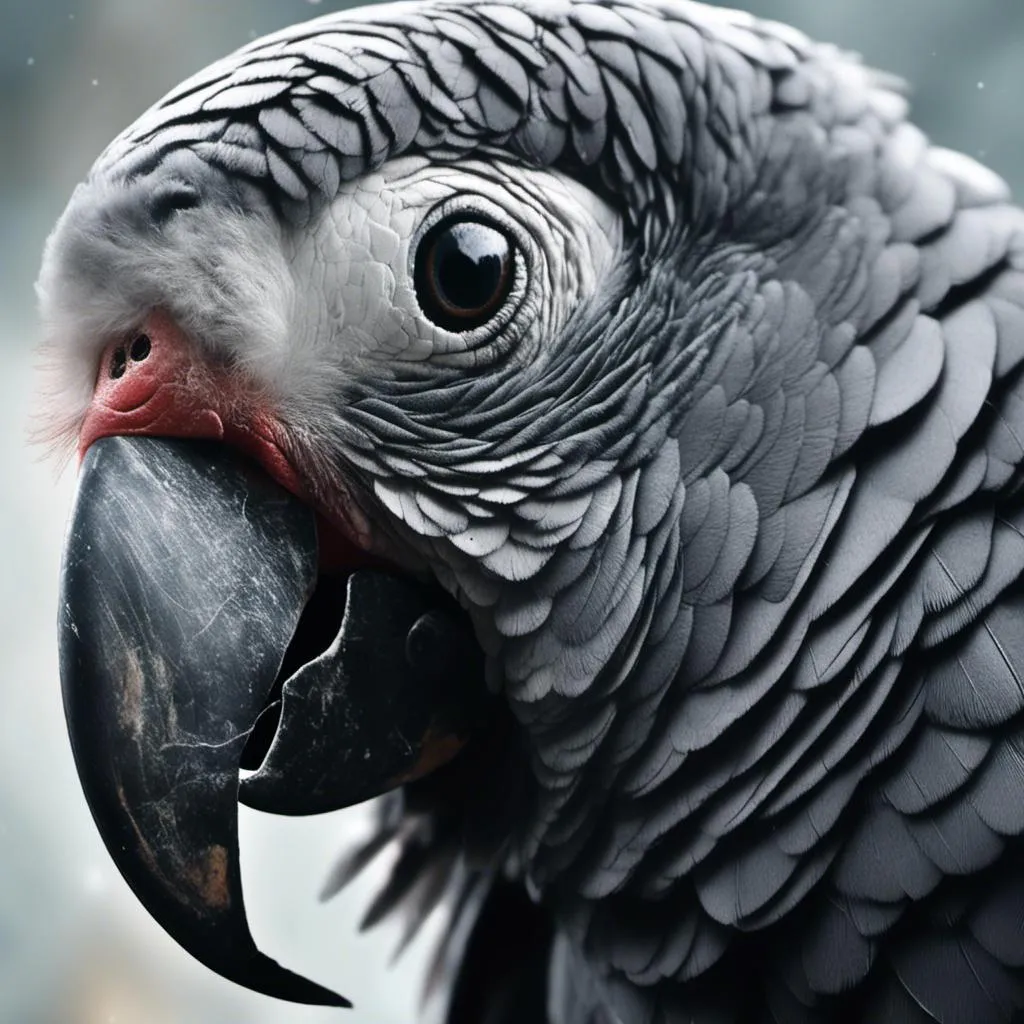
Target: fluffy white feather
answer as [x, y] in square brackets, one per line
[109, 261]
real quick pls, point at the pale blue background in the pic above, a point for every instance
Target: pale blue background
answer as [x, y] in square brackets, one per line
[74, 947]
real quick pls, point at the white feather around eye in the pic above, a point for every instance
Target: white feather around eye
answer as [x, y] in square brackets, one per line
[357, 307]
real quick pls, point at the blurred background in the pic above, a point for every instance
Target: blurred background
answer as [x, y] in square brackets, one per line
[74, 946]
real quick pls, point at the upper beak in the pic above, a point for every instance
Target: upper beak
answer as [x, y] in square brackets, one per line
[185, 577]
[173, 549]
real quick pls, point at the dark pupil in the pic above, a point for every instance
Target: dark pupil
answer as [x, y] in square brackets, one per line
[465, 275]
[468, 264]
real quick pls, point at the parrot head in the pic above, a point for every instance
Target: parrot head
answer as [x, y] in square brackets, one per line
[493, 404]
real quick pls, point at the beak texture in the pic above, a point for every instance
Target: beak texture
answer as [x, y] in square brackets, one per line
[185, 574]
[395, 695]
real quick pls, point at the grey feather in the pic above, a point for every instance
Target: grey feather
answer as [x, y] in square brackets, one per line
[739, 524]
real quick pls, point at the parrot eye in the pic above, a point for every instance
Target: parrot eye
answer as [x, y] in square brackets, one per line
[464, 273]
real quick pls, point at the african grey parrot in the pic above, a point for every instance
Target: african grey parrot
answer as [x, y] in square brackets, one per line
[600, 425]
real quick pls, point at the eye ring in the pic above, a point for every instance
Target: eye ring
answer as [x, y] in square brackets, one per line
[464, 271]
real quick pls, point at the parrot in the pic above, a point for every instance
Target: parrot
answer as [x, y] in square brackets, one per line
[595, 430]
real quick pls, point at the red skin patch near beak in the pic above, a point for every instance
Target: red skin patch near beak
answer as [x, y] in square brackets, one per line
[158, 385]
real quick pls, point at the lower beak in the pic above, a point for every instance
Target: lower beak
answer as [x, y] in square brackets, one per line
[184, 577]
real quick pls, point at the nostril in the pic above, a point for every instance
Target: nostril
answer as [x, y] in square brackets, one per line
[118, 363]
[141, 348]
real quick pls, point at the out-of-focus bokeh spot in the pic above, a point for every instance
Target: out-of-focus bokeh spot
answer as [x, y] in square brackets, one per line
[75, 948]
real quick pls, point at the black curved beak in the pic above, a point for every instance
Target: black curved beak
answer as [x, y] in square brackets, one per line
[186, 577]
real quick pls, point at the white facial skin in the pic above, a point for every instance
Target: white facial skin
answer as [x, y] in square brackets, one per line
[356, 305]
